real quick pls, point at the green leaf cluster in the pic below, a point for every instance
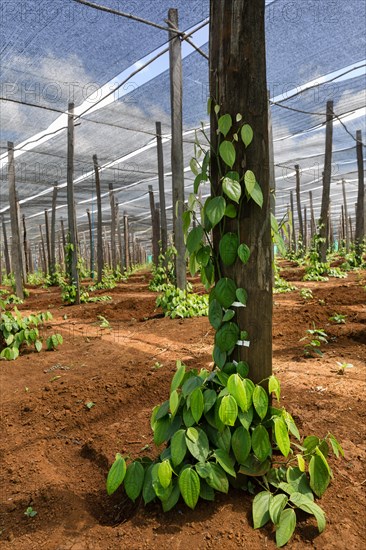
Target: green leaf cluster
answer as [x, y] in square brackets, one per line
[17, 332]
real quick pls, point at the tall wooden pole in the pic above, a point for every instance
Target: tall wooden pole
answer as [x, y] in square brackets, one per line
[6, 248]
[175, 60]
[119, 236]
[73, 252]
[42, 250]
[163, 222]
[16, 253]
[91, 243]
[324, 220]
[112, 203]
[293, 232]
[25, 245]
[155, 227]
[48, 244]
[100, 262]
[238, 84]
[305, 229]
[127, 241]
[298, 203]
[53, 234]
[345, 214]
[361, 207]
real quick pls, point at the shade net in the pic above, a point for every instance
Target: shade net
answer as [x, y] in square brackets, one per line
[61, 52]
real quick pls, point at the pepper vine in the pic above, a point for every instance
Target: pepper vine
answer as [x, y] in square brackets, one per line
[219, 428]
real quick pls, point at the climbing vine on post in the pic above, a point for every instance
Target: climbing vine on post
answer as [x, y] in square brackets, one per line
[220, 428]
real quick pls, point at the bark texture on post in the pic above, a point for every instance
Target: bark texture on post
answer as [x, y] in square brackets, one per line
[361, 207]
[16, 252]
[163, 223]
[73, 252]
[324, 220]
[100, 263]
[238, 85]
[175, 60]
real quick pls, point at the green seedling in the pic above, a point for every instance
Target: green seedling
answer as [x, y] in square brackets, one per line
[89, 405]
[338, 318]
[315, 338]
[306, 294]
[103, 322]
[157, 365]
[342, 367]
[30, 513]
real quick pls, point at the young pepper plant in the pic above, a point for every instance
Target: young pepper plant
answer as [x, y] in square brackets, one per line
[219, 428]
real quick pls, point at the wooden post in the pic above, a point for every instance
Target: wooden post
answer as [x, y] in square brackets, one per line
[155, 227]
[16, 253]
[25, 245]
[63, 233]
[119, 236]
[6, 248]
[91, 244]
[324, 221]
[298, 202]
[30, 260]
[113, 226]
[238, 84]
[43, 252]
[312, 216]
[305, 229]
[163, 222]
[343, 225]
[100, 263]
[175, 60]
[330, 227]
[345, 214]
[48, 244]
[361, 207]
[293, 232]
[53, 234]
[73, 253]
[126, 239]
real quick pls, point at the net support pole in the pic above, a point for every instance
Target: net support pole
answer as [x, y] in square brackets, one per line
[126, 241]
[155, 227]
[6, 248]
[298, 203]
[16, 252]
[346, 215]
[25, 245]
[293, 230]
[112, 202]
[53, 233]
[100, 261]
[324, 219]
[361, 197]
[73, 251]
[163, 222]
[312, 216]
[176, 94]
